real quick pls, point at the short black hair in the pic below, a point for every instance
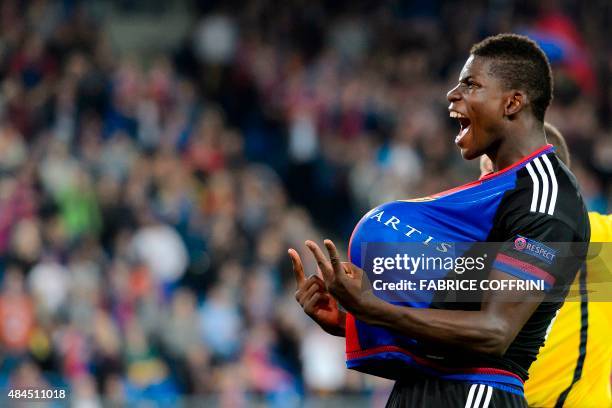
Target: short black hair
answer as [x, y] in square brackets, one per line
[520, 64]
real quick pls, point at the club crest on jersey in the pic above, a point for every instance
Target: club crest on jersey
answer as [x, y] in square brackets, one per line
[534, 248]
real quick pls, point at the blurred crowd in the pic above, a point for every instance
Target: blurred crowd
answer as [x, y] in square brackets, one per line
[147, 202]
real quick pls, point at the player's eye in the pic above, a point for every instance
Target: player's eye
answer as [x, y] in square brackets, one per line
[467, 85]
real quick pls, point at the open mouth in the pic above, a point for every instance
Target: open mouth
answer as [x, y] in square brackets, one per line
[464, 124]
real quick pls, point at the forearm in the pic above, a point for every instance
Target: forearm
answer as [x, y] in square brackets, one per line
[474, 331]
[489, 330]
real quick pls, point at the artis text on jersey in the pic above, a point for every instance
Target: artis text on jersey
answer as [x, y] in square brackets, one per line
[391, 221]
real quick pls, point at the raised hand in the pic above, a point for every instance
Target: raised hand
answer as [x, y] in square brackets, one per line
[315, 299]
[345, 282]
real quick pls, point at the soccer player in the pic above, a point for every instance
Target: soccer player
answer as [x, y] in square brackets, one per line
[477, 356]
[574, 365]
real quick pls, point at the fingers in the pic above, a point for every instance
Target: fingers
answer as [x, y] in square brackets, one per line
[312, 280]
[333, 256]
[319, 273]
[307, 293]
[298, 268]
[309, 305]
[346, 267]
[322, 261]
[318, 281]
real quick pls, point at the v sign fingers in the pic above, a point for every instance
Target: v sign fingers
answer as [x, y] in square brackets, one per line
[312, 293]
[324, 265]
[335, 259]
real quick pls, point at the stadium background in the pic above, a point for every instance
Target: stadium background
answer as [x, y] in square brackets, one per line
[158, 158]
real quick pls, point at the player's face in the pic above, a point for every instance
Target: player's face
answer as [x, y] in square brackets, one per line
[478, 104]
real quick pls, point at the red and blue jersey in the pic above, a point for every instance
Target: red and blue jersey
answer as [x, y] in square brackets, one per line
[527, 205]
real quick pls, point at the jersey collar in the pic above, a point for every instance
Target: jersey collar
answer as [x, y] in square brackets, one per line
[542, 150]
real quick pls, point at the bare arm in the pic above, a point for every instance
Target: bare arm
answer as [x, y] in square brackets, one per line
[489, 330]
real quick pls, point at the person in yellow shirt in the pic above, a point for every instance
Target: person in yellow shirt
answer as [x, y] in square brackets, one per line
[574, 366]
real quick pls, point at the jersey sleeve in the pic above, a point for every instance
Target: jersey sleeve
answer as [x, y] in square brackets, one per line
[536, 246]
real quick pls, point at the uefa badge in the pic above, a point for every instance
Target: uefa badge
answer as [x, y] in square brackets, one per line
[520, 243]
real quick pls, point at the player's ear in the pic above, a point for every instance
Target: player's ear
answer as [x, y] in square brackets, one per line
[515, 102]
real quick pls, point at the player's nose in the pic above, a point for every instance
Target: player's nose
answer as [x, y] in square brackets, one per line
[453, 95]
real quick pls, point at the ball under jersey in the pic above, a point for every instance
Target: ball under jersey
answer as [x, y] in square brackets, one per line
[574, 366]
[534, 201]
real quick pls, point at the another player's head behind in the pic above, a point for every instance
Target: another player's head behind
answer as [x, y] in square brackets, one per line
[553, 136]
[504, 90]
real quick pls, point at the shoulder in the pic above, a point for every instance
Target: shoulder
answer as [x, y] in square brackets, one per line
[545, 195]
[549, 187]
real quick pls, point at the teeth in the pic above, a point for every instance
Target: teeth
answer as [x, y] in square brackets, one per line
[454, 114]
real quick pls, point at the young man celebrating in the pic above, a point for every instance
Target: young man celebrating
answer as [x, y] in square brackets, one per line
[475, 354]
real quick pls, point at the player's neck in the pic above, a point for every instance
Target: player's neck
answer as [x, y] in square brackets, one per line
[517, 145]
